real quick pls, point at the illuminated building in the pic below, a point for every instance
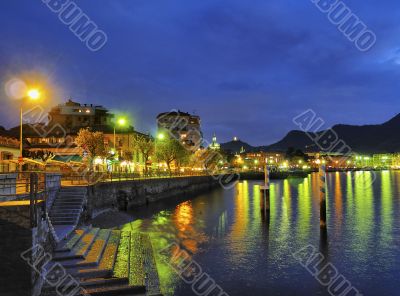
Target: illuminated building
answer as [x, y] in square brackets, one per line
[182, 126]
[73, 116]
[214, 145]
[9, 150]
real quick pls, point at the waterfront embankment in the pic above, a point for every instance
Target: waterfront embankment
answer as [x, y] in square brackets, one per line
[113, 196]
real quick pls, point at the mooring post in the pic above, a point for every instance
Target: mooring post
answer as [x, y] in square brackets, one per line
[322, 196]
[265, 202]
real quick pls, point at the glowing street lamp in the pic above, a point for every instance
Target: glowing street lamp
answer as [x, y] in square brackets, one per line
[120, 122]
[32, 94]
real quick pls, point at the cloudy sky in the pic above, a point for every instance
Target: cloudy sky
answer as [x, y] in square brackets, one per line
[246, 67]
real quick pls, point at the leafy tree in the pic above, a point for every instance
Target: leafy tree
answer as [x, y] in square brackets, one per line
[145, 145]
[207, 159]
[92, 143]
[170, 151]
[43, 155]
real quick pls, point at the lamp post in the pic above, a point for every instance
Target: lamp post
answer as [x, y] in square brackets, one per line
[32, 94]
[120, 122]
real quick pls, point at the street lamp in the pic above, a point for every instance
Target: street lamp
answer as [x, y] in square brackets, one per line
[32, 94]
[120, 122]
[161, 136]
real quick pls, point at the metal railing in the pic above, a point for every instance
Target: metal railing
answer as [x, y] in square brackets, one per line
[90, 178]
[28, 188]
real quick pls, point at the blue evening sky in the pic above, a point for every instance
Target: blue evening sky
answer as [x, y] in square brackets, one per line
[246, 67]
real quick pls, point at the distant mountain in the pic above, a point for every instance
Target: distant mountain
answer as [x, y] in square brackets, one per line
[380, 138]
[236, 146]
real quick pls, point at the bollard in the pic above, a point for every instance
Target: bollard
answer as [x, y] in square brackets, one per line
[265, 201]
[322, 196]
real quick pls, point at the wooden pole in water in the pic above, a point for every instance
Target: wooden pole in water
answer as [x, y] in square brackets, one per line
[265, 202]
[322, 196]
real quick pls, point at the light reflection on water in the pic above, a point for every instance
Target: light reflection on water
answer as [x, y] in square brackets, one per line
[226, 234]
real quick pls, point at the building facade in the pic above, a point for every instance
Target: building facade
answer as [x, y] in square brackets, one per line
[182, 126]
[73, 116]
[9, 151]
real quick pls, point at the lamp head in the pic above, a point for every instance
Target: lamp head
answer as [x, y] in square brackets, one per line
[33, 94]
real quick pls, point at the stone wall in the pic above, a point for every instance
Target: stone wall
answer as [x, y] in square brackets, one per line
[22, 241]
[7, 184]
[18, 238]
[124, 194]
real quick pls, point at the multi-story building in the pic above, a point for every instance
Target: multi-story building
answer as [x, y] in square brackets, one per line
[65, 121]
[256, 160]
[183, 126]
[382, 160]
[9, 151]
[73, 116]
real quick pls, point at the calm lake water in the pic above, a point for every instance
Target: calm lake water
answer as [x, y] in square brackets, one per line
[225, 233]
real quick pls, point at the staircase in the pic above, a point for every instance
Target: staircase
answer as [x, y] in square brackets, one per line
[68, 206]
[106, 262]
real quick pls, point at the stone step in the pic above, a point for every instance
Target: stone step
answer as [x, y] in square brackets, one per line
[66, 211]
[74, 188]
[92, 285]
[62, 207]
[64, 222]
[150, 267]
[143, 268]
[116, 290]
[95, 253]
[63, 217]
[88, 273]
[68, 200]
[71, 194]
[75, 199]
[101, 282]
[67, 244]
[110, 253]
[121, 266]
[81, 248]
[64, 195]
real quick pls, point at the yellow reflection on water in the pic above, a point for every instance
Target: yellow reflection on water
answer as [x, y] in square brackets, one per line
[304, 208]
[364, 212]
[387, 208]
[241, 219]
[338, 203]
[286, 211]
[187, 233]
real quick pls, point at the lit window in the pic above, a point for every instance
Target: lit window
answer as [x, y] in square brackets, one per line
[87, 111]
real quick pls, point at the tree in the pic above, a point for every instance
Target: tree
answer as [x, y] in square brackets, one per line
[92, 143]
[145, 145]
[43, 155]
[207, 159]
[169, 150]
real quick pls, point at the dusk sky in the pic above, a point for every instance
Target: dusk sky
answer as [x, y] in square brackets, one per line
[246, 67]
